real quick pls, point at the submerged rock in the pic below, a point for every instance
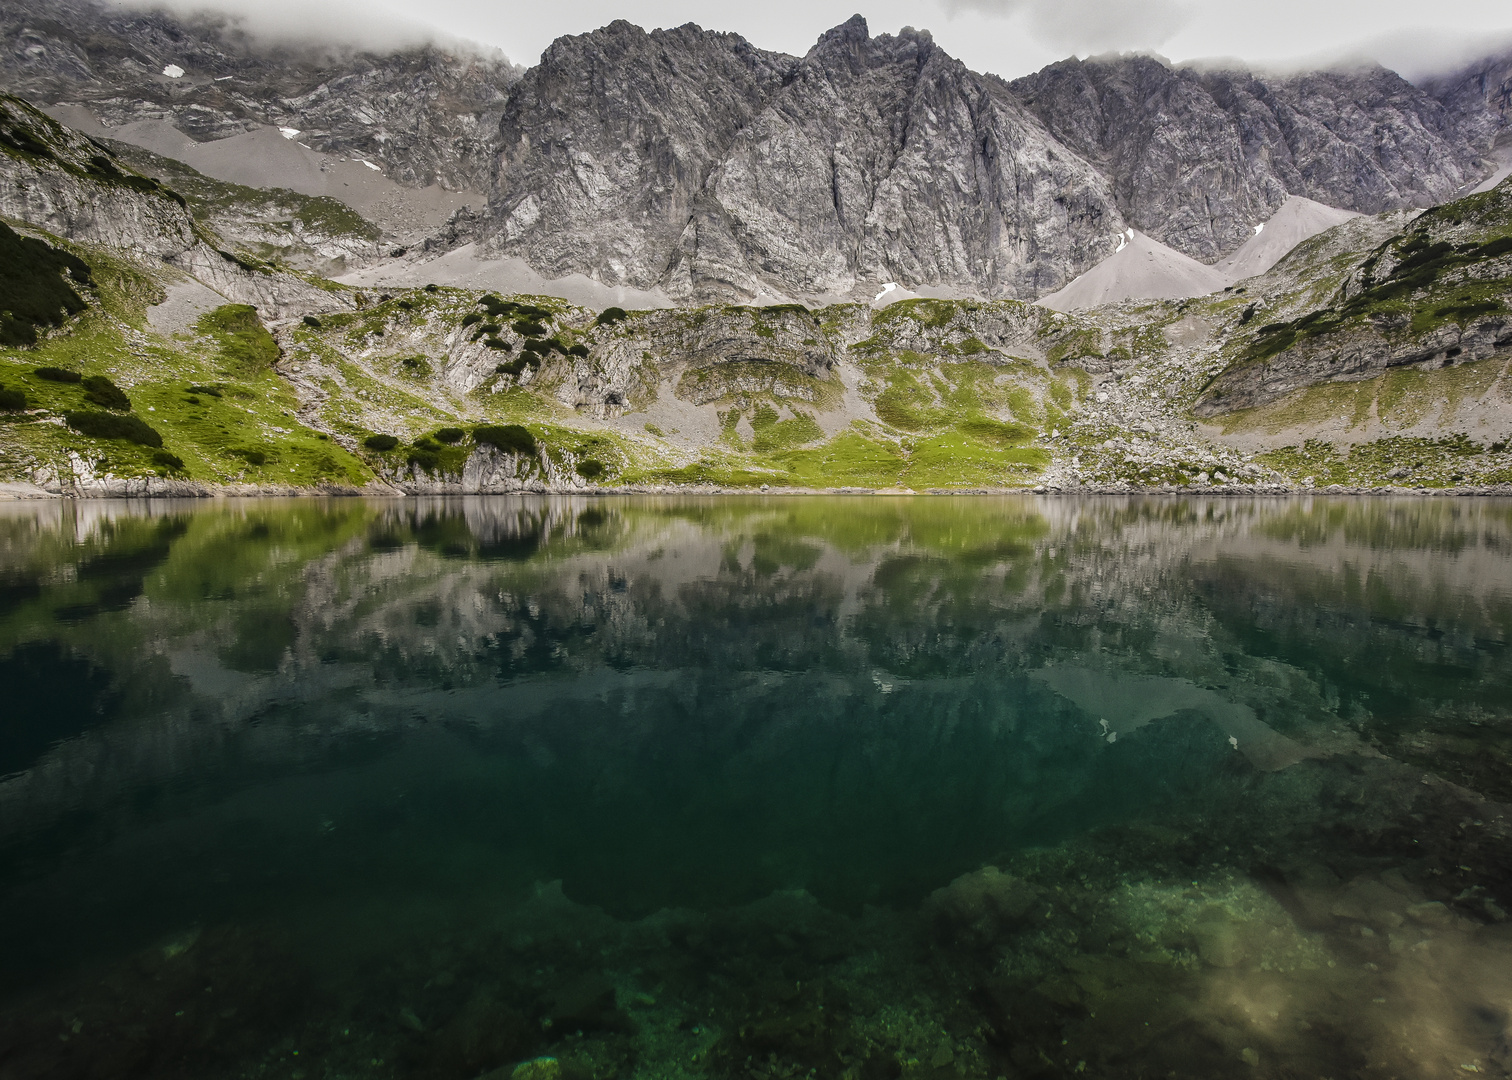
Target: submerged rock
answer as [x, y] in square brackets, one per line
[543, 1068]
[983, 905]
[1219, 940]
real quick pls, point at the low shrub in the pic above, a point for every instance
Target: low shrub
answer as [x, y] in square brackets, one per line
[450, 435]
[11, 400]
[57, 374]
[312, 322]
[425, 457]
[526, 328]
[511, 438]
[590, 469]
[251, 455]
[99, 390]
[212, 391]
[36, 286]
[104, 425]
[611, 315]
[380, 443]
[169, 461]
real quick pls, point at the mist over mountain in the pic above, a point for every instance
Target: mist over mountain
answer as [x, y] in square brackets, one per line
[429, 114]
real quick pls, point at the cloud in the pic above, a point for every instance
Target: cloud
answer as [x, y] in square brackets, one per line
[1089, 26]
[332, 24]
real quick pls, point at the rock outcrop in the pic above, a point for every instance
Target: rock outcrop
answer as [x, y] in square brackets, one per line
[690, 161]
[1435, 295]
[59, 181]
[1198, 158]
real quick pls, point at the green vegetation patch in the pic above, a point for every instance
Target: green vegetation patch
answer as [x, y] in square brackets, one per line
[103, 425]
[1422, 264]
[1079, 344]
[737, 379]
[956, 459]
[511, 438]
[36, 286]
[1399, 399]
[1402, 460]
[99, 390]
[853, 458]
[433, 456]
[934, 314]
[499, 308]
[246, 347]
[773, 433]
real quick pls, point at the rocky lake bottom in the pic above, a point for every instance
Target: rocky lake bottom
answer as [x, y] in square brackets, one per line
[756, 787]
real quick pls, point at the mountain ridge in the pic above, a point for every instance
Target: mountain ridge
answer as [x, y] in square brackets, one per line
[693, 163]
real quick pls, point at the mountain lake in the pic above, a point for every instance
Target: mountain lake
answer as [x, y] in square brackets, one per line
[843, 788]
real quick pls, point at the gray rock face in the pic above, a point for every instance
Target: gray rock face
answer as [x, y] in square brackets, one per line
[883, 159]
[429, 115]
[54, 179]
[1198, 158]
[57, 180]
[607, 143]
[690, 161]
[1479, 97]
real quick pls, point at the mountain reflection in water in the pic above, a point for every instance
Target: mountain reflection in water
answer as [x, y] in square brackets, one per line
[756, 787]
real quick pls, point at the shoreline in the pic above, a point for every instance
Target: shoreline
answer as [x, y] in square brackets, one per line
[154, 488]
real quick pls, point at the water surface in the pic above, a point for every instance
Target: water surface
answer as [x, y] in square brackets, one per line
[773, 787]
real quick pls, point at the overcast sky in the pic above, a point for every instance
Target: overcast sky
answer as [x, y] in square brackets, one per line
[1008, 37]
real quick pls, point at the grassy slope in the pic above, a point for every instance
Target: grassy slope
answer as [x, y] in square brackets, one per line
[941, 407]
[214, 436]
[1435, 276]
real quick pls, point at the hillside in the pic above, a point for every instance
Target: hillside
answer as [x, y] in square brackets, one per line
[167, 330]
[449, 389]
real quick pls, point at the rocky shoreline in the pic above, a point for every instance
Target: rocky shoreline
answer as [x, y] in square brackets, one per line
[160, 488]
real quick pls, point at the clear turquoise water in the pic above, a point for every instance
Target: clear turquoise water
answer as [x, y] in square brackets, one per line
[836, 787]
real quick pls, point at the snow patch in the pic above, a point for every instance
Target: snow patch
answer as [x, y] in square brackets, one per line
[173, 71]
[887, 287]
[370, 165]
[288, 132]
[1260, 228]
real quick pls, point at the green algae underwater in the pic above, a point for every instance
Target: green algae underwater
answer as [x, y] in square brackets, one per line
[756, 787]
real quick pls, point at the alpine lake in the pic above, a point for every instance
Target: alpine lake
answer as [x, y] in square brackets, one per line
[844, 788]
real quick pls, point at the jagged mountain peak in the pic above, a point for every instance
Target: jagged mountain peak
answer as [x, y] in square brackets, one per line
[1200, 156]
[720, 172]
[849, 38]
